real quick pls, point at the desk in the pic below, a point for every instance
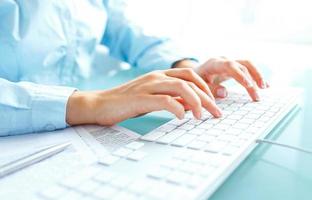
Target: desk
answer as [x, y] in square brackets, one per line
[269, 172]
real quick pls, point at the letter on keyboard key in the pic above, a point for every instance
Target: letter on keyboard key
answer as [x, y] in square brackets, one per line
[184, 140]
[153, 136]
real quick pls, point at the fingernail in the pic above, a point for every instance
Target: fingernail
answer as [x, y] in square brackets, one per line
[263, 84]
[197, 115]
[218, 112]
[221, 92]
[257, 97]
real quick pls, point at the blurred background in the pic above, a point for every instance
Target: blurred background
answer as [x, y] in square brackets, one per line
[276, 35]
[262, 20]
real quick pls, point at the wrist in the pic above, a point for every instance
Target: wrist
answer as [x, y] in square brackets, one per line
[80, 108]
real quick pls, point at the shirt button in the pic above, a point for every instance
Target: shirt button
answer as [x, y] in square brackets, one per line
[49, 127]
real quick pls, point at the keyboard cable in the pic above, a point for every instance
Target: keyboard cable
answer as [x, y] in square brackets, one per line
[284, 145]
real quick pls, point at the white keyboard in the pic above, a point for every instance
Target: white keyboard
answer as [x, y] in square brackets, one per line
[183, 159]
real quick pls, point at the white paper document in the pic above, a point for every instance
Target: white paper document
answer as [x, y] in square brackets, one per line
[88, 143]
[102, 140]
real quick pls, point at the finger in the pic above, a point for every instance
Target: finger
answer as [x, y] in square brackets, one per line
[184, 104]
[162, 102]
[254, 72]
[233, 69]
[176, 87]
[218, 91]
[252, 91]
[207, 103]
[189, 74]
[242, 76]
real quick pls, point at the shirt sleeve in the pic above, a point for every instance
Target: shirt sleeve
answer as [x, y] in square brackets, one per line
[27, 107]
[130, 43]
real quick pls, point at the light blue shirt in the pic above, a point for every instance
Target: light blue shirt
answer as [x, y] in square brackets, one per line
[49, 43]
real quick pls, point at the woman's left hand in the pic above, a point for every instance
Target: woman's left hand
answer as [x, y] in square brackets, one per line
[216, 70]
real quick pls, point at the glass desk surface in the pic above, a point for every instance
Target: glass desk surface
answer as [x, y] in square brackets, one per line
[269, 172]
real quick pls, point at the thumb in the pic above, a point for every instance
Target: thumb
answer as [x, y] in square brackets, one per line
[218, 91]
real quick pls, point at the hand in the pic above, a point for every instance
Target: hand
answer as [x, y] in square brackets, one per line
[216, 70]
[173, 90]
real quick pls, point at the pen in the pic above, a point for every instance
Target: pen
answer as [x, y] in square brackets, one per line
[32, 158]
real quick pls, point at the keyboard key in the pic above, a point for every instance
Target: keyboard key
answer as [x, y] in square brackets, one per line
[166, 128]
[88, 186]
[71, 195]
[235, 117]
[135, 145]
[227, 138]
[207, 138]
[197, 131]
[136, 155]
[229, 121]
[230, 150]
[195, 181]
[153, 136]
[195, 122]
[214, 132]
[166, 139]
[215, 146]
[105, 192]
[222, 126]
[120, 181]
[125, 195]
[172, 163]
[122, 152]
[241, 126]
[159, 172]
[196, 144]
[204, 126]
[108, 159]
[53, 192]
[139, 186]
[187, 127]
[177, 177]
[103, 176]
[184, 140]
[178, 122]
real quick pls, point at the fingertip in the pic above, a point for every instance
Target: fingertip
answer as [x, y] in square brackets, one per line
[221, 92]
[197, 114]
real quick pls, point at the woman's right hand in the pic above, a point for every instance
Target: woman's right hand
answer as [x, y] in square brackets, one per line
[174, 90]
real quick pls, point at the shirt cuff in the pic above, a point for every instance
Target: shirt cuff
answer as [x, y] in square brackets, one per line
[49, 107]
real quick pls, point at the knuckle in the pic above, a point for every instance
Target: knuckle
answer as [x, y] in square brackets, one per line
[228, 64]
[180, 84]
[166, 100]
[153, 75]
[243, 68]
